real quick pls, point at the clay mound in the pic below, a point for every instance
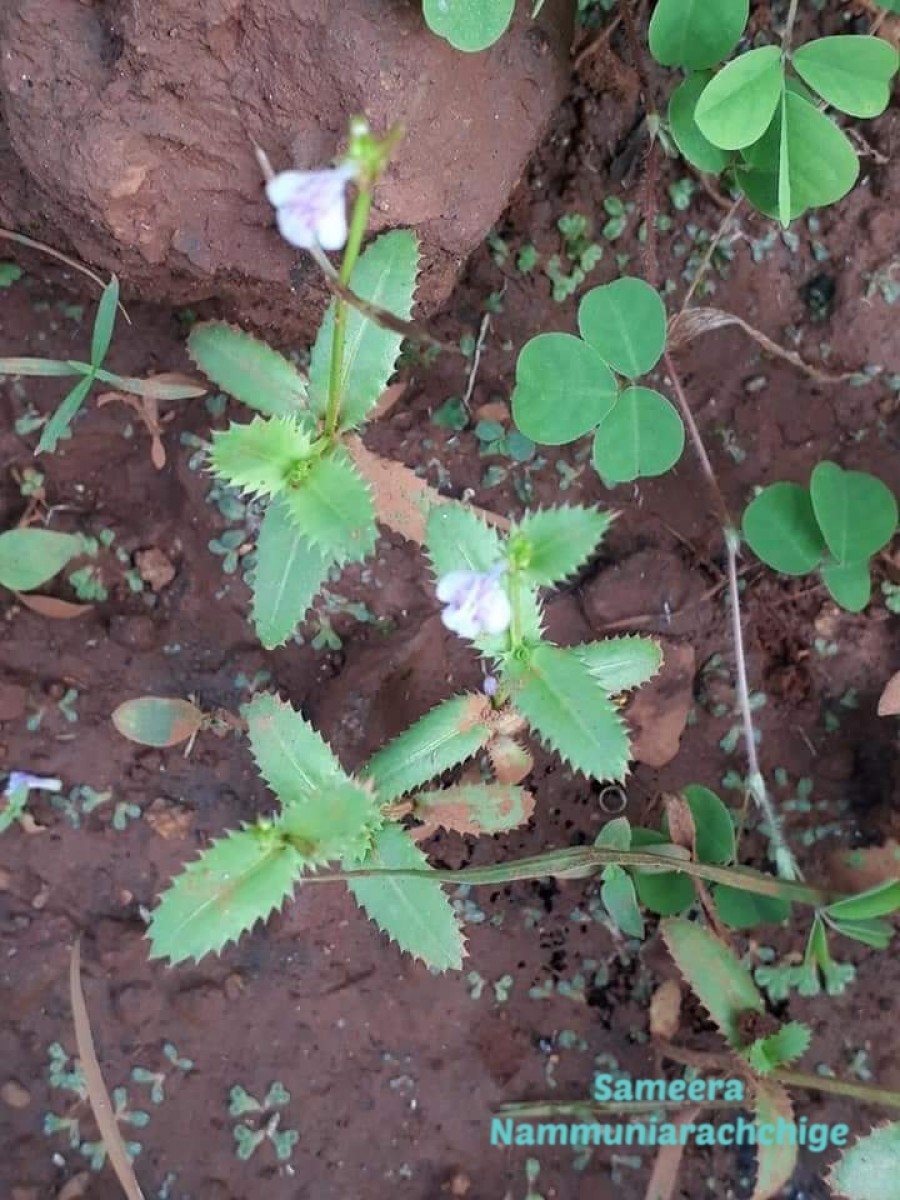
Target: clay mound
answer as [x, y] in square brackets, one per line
[126, 134]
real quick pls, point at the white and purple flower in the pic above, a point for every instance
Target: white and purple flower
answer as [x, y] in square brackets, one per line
[311, 206]
[475, 603]
[38, 783]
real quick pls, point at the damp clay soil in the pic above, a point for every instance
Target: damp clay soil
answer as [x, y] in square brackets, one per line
[393, 1073]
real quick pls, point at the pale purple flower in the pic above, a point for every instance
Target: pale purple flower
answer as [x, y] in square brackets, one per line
[475, 603]
[489, 685]
[38, 783]
[311, 206]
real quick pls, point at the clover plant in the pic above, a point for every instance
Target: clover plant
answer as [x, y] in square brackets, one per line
[834, 526]
[758, 117]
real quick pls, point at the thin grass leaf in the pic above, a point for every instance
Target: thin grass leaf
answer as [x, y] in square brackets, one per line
[59, 423]
[39, 366]
[104, 322]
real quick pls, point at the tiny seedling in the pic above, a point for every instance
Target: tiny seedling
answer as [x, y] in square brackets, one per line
[249, 1138]
[163, 387]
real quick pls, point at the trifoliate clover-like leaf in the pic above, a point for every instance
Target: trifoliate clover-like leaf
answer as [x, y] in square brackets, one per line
[264, 457]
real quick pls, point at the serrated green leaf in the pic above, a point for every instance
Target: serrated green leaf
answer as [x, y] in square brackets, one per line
[288, 575]
[868, 1170]
[555, 542]
[746, 910]
[775, 1162]
[475, 807]
[291, 756]
[625, 322]
[562, 702]
[851, 73]
[849, 584]
[879, 901]
[333, 509]
[767, 1054]
[739, 102]
[104, 322]
[697, 149]
[241, 879]
[445, 737]
[385, 275]
[724, 987]
[781, 529]
[457, 540]
[856, 512]
[325, 813]
[563, 389]
[619, 899]
[29, 557]
[619, 664]
[157, 720]
[415, 913]
[642, 437]
[248, 369]
[696, 33]
[469, 25]
[59, 423]
[263, 456]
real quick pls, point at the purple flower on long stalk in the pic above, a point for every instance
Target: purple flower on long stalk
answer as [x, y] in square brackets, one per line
[475, 602]
[311, 206]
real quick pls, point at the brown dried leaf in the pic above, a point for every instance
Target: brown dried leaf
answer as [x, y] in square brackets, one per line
[682, 830]
[693, 322]
[774, 1163]
[98, 1096]
[889, 703]
[50, 606]
[659, 711]
[511, 762]
[664, 1179]
[402, 499]
[665, 1010]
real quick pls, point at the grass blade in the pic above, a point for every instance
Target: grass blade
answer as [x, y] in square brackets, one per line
[101, 1104]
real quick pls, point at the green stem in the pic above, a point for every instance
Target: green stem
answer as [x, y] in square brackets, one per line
[789, 27]
[581, 861]
[838, 1087]
[358, 224]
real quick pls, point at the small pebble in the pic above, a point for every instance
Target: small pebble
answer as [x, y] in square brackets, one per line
[13, 1094]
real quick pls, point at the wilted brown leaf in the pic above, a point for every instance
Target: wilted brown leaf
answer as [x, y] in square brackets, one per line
[665, 1010]
[402, 499]
[50, 606]
[659, 711]
[691, 323]
[664, 1179]
[889, 703]
[511, 762]
[680, 820]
